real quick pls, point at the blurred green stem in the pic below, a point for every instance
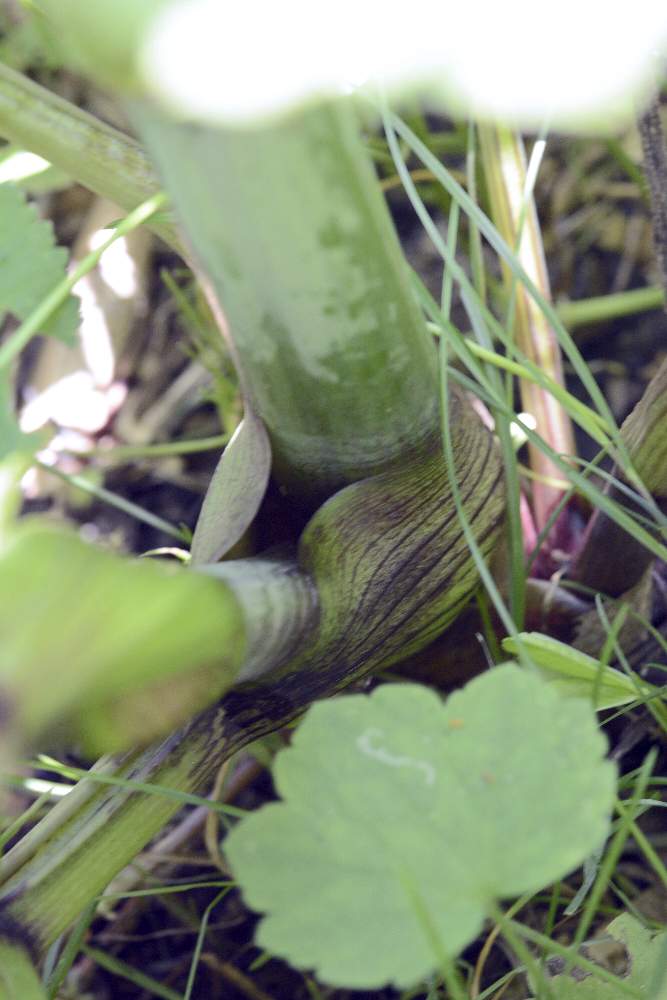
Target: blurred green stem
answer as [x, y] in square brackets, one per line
[100, 157]
[600, 308]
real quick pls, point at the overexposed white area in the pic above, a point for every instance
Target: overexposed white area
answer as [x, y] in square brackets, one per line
[20, 165]
[87, 397]
[117, 267]
[40, 787]
[78, 389]
[74, 400]
[517, 429]
[580, 63]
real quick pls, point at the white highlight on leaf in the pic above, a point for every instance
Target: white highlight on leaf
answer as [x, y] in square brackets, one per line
[366, 744]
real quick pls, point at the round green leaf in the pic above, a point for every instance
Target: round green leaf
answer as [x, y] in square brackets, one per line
[403, 818]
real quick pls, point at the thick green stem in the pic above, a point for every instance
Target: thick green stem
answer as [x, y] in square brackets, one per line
[289, 226]
[288, 223]
[100, 157]
[335, 309]
[391, 570]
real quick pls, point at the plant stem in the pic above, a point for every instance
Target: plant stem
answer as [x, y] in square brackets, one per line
[390, 569]
[127, 452]
[100, 157]
[332, 348]
[610, 560]
[600, 308]
[295, 239]
[303, 355]
[115, 500]
[514, 214]
[654, 148]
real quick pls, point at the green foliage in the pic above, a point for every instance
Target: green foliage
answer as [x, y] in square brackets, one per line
[31, 265]
[645, 966]
[235, 491]
[119, 650]
[405, 818]
[575, 673]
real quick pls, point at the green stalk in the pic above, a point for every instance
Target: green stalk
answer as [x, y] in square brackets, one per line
[515, 216]
[118, 680]
[289, 225]
[610, 561]
[292, 233]
[381, 569]
[307, 186]
[96, 155]
[599, 309]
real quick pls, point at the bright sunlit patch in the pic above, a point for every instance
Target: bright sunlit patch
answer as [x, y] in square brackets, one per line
[517, 430]
[118, 271]
[528, 420]
[76, 401]
[21, 165]
[565, 64]
[116, 267]
[40, 787]
[576, 65]
[236, 62]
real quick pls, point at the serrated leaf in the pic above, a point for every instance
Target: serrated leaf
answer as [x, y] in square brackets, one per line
[235, 492]
[397, 805]
[119, 650]
[31, 265]
[646, 962]
[574, 673]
